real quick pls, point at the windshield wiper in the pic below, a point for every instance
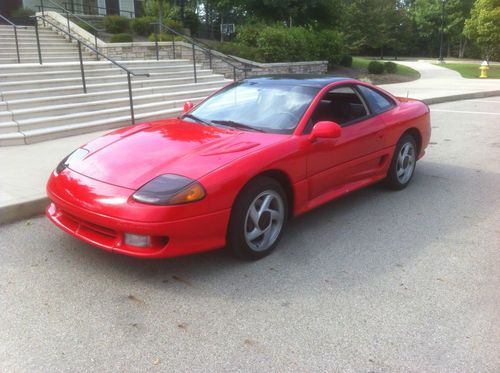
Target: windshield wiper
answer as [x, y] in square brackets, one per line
[231, 123]
[199, 120]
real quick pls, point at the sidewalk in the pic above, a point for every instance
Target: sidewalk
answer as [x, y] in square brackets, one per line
[25, 169]
[438, 83]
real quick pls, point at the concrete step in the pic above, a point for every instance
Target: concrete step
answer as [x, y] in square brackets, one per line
[34, 136]
[11, 60]
[108, 113]
[70, 52]
[138, 82]
[58, 48]
[91, 80]
[16, 68]
[31, 38]
[82, 98]
[37, 112]
[90, 72]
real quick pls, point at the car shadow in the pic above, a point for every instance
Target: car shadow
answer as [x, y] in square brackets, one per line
[342, 244]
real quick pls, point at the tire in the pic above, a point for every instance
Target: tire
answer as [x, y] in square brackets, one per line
[403, 163]
[258, 219]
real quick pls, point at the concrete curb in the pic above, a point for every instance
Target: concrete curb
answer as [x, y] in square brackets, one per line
[23, 210]
[26, 209]
[463, 96]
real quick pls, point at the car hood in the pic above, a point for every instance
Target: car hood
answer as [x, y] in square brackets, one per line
[132, 156]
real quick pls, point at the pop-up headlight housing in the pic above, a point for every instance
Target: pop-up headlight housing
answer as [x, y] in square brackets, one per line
[170, 189]
[78, 154]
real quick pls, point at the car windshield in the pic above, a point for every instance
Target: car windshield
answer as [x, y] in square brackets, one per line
[258, 106]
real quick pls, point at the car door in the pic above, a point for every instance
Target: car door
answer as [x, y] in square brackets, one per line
[332, 164]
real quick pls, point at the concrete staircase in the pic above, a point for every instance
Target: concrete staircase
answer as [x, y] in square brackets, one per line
[42, 102]
[54, 47]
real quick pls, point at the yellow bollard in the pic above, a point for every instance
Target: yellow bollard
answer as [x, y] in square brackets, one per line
[484, 69]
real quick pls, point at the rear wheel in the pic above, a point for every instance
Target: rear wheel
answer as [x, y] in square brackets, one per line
[403, 163]
[258, 218]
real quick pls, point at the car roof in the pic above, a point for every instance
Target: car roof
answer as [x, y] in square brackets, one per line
[306, 80]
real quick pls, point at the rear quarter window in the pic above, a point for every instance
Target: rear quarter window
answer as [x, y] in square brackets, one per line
[377, 102]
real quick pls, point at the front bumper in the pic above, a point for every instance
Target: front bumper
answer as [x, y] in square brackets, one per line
[171, 236]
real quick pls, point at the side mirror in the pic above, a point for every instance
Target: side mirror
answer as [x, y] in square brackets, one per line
[325, 129]
[188, 105]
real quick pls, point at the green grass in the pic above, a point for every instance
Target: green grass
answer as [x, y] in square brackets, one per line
[362, 63]
[470, 70]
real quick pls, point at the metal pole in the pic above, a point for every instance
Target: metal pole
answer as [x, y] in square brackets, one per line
[156, 43]
[245, 70]
[96, 48]
[234, 73]
[69, 30]
[194, 64]
[173, 45]
[43, 12]
[441, 32]
[210, 58]
[17, 45]
[81, 66]
[130, 98]
[38, 41]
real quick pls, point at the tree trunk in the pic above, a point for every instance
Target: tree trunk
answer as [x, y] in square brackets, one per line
[463, 43]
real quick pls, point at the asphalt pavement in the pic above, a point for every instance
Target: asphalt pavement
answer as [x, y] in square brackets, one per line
[378, 281]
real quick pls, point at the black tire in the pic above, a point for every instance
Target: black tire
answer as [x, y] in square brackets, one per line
[393, 181]
[241, 220]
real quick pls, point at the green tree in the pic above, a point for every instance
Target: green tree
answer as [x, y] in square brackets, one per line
[483, 27]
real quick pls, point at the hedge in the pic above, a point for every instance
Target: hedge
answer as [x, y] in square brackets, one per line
[121, 38]
[391, 67]
[375, 67]
[116, 24]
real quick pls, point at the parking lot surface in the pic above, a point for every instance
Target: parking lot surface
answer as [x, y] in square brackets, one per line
[378, 281]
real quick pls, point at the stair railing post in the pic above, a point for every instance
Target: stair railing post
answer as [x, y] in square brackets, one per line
[234, 73]
[210, 58]
[43, 11]
[96, 48]
[69, 30]
[156, 42]
[81, 66]
[131, 100]
[17, 45]
[245, 71]
[194, 64]
[38, 42]
[173, 45]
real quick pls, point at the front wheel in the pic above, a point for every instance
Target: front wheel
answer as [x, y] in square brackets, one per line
[403, 163]
[258, 218]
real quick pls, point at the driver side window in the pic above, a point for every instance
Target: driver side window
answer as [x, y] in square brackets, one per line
[341, 105]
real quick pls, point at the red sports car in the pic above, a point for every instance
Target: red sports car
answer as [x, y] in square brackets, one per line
[233, 169]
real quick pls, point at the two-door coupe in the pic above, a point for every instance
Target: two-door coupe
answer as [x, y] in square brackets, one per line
[231, 170]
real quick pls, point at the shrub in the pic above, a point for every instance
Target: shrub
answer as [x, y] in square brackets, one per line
[248, 34]
[116, 24]
[346, 60]
[121, 38]
[142, 25]
[391, 67]
[162, 36]
[173, 24]
[375, 67]
[240, 50]
[23, 12]
[330, 46]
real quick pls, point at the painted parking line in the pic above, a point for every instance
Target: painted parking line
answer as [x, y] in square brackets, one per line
[463, 112]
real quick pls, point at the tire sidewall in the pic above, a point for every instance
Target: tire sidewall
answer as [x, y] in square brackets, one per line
[392, 178]
[236, 241]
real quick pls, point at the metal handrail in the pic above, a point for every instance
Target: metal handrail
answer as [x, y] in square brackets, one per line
[96, 51]
[205, 49]
[89, 6]
[15, 35]
[53, 5]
